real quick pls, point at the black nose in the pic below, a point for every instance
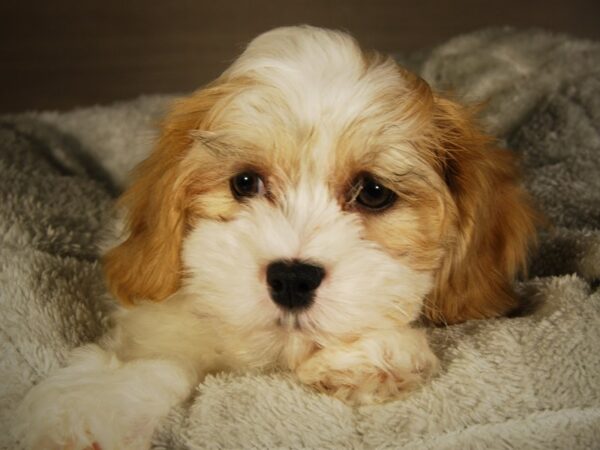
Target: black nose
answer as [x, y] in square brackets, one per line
[292, 283]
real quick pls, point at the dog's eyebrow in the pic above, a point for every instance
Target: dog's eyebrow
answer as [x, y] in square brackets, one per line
[215, 142]
[398, 166]
[225, 146]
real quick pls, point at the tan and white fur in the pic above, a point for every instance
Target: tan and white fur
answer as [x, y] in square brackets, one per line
[311, 117]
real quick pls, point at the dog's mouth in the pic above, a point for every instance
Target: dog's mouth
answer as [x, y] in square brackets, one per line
[289, 321]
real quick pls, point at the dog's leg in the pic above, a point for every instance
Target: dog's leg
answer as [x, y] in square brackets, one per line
[374, 368]
[113, 395]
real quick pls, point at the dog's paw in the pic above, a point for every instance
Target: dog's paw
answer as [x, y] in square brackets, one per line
[373, 369]
[98, 403]
[72, 422]
[80, 414]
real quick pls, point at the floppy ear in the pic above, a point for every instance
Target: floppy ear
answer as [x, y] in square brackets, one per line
[147, 265]
[494, 219]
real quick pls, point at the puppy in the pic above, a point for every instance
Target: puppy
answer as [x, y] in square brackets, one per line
[299, 213]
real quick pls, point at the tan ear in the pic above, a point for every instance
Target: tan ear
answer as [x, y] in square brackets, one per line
[494, 219]
[147, 265]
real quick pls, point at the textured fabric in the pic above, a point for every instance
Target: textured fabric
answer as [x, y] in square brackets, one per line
[523, 382]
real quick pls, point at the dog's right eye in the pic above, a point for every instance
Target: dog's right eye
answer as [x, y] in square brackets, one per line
[247, 184]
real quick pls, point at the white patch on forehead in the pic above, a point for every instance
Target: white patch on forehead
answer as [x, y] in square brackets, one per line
[310, 77]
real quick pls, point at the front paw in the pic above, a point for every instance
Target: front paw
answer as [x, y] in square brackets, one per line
[65, 412]
[98, 402]
[373, 369]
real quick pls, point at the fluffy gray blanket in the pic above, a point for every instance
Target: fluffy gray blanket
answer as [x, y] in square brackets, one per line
[523, 382]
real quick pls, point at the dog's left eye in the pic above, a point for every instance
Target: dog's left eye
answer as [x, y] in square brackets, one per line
[373, 195]
[247, 184]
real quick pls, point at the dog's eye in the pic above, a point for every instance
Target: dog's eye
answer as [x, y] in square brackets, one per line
[373, 195]
[247, 184]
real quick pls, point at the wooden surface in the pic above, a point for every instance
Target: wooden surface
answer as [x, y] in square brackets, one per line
[59, 54]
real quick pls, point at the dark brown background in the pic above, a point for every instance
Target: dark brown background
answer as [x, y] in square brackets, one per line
[63, 53]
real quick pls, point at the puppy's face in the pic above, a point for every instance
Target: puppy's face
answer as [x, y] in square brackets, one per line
[318, 190]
